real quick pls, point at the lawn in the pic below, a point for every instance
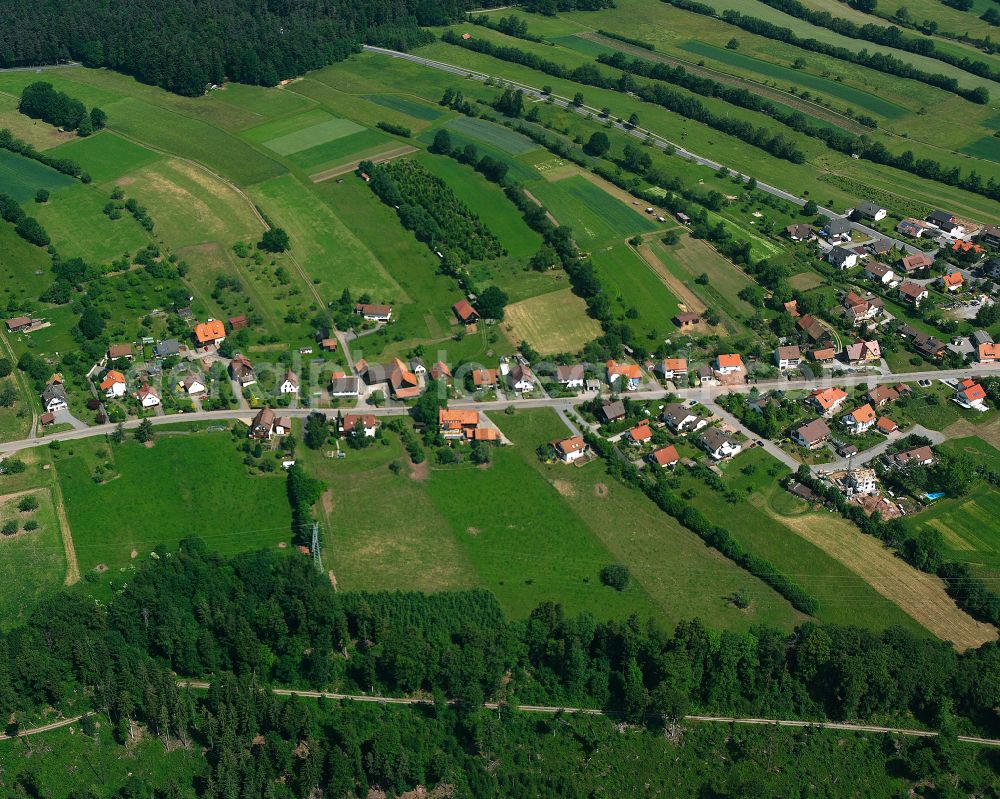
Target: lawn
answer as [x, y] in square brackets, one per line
[782, 534]
[330, 253]
[631, 285]
[683, 577]
[857, 98]
[21, 177]
[987, 147]
[186, 484]
[404, 105]
[32, 563]
[487, 200]
[105, 155]
[24, 268]
[405, 545]
[551, 323]
[75, 220]
[594, 215]
[509, 141]
[190, 205]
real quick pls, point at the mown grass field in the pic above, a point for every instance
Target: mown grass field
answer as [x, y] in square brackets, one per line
[412, 108]
[986, 147]
[21, 177]
[106, 155]
[631, 285]
[24, 268]
[185, 484]
[551, 323]
[856, 98]
[32, 563]
[509, 141]
[595, 217]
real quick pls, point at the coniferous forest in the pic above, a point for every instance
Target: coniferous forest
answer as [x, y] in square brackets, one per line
[268, 619]
[183, 45]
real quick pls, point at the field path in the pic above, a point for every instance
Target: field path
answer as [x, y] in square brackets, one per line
[72, 565]
[919, 595]
[690, 300]
[378, 158]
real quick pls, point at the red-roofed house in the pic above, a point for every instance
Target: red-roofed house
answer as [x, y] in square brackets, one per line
[630, 374]
[640, 434]
[728, 363]
[828, 400]
[970, 394]
[952, 282]
[860, 419]
[664, 457]
[570, 449]
[464, 312]
[886, 425]
[210, 334]
[989, 352]
[114, 385]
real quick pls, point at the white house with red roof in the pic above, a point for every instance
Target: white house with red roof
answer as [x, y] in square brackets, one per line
[969, 394]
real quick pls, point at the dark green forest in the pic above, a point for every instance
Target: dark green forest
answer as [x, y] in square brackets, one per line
[184, 45]
[267, 618]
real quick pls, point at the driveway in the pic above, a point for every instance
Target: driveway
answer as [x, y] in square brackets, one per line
[65, 417]
[879, 449]
[769, 446]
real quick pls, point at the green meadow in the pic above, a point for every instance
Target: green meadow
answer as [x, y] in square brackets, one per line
[105, 155]
[594, 215]
[21, 177]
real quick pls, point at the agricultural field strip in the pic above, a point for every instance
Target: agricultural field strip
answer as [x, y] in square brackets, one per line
[312, 136]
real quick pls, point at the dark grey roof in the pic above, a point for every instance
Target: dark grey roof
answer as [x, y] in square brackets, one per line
[982, 337]
[713, 438]
[867, 208]
[613, 410]
[675, 414]
[940, 218]
[344, 385]
[167, 347]
[53, 391]
[840, 255]
[837, 226]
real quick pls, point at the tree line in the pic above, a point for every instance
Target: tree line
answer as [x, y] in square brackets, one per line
[683, 104]
[8, 141]
[889, 36]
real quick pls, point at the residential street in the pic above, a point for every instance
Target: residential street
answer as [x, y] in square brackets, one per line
[705, 395]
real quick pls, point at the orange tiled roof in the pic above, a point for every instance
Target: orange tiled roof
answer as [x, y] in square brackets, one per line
[209, 331]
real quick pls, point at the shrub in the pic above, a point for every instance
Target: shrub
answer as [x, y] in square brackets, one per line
[616, 576]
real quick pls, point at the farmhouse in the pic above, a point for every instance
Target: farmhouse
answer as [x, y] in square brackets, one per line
[920, 456]
[837, 229]
[54, 398]
[718, 444]
[800, 232]
[18, 324]
[728, 363]
[886, 425]
[813, 328]
[457, 423]
[570, 449]
[465, 313]
[879, 272]
[570, 376]
[629, 373]
[192, 384]
[969, 394]
[946, 222]
[521, 378]
[860, 419]
[241, 370]
[671, 368]
[116, 351]
[290, 385]
[828, 400]
[881, 395]
[440, 371]
[952, 281]
[167, 348]
[613, 411]
[868, 210]
[787, 357]
[344, 386]
[842, 258]
[664, 457]
[639, 434]
[685, 319]
[912, 292]
[373, 313]
[148, 398]
[210, 334]
[114, 385]
[402, 381]
[360, 424]
[811, 435]
[916, 262]
[680, 419]
[913, 227]
[484, 378]
[862, 352]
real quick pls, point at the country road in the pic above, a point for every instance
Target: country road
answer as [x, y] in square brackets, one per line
[636, 132]
[706, 394]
